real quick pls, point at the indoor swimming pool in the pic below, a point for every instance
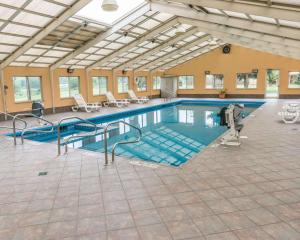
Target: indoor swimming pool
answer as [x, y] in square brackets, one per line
[172, 133]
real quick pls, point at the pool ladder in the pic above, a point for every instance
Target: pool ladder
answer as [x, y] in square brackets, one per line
[95, 132]
[119, 143]
[25, 128]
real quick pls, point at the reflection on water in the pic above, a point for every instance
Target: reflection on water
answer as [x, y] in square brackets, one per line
[171, 135]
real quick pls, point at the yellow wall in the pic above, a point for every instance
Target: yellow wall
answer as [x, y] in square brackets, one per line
[85, 86]
[240, 60]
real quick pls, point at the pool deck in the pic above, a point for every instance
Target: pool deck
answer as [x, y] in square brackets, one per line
[251, 192]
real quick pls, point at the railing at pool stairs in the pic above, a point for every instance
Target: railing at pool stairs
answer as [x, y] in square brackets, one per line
[53, 128]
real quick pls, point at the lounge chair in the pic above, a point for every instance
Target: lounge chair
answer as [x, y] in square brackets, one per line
[81, 104]
[134, 98]
[290, 113]
[111, 100]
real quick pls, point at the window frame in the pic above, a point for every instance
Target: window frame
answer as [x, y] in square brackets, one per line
[247, 77]
[289, 80]
[146, 81]
[99, 78]
[68, 77]
[28, 88]
[155, 78]
[122, 84]
[214, 88]
[180, 88]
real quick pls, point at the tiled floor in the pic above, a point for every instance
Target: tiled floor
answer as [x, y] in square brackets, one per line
[251, 192]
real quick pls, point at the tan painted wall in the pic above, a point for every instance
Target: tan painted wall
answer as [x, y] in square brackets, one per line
[85, 86]
[240, 60]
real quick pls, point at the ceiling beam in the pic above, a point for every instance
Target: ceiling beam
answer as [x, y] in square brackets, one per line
[247, 8]
[175, 52]
[135, 43]
[115, 28]
[157, 49]
[44, 32]
[216, 29]
[272, 29]
[179, 61]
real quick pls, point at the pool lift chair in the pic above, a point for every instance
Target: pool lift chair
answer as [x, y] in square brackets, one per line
[231, 117]
[290, 113]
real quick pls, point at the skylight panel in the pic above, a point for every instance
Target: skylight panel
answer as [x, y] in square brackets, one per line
[20, 30]
[2, 56]
[6, 13]
[25, 58]
[81, 56]
[91, 50]
[54, 53]
[94, 11]
[163, 17]
[15, 3]
[126, 39]
[138, 30]
[46, 60]
[38, 65]
[94, 57]
[113, 37]
[138, 20]
[104, 51]
[114, 46]
[11, 39]
[18, 64]
[7, 49]
[32, 19]
[44, 7]
[149, 24]
[102, 44]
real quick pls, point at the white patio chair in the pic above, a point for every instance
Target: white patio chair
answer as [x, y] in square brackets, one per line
[136, 99]
[112, 101]
[81, 104]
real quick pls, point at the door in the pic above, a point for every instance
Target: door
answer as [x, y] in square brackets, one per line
[272, 83]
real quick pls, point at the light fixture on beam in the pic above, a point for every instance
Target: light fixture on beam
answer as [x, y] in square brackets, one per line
[110, 5]
[180, 30]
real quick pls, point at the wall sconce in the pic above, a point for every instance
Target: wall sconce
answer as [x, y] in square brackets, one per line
[207, 72]
[254, 70]
[5, 89]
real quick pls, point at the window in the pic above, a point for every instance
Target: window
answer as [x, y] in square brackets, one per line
[123, 84]
[99, 85]
[157, 117]
[142, 119]
[186, 82]
[214, 81]
[246, 80]
[294, 79]
[156, 83]
[69, 86]
[27, 88]
[141, 83]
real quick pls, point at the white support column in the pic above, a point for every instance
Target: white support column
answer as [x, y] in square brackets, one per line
[45, 31]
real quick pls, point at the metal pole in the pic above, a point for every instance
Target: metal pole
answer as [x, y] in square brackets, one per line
[3, 93]
[105, 145]
[58, 139]
[51, 74]
[14, 131]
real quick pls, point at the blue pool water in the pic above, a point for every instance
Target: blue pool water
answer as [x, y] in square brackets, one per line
[172, 133]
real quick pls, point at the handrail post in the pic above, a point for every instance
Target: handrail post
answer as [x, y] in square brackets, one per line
[14, 131]
[105, 145]
[58, 139]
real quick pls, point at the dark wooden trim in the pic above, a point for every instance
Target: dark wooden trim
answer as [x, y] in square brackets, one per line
[289, 96]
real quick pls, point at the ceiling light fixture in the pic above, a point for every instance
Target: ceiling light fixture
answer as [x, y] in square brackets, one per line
[180, 30]
[110, 5]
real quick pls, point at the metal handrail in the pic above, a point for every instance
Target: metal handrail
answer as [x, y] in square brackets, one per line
[26, 129]
[118, 143]
[71, 137]
[12, 116]
[37, 130]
